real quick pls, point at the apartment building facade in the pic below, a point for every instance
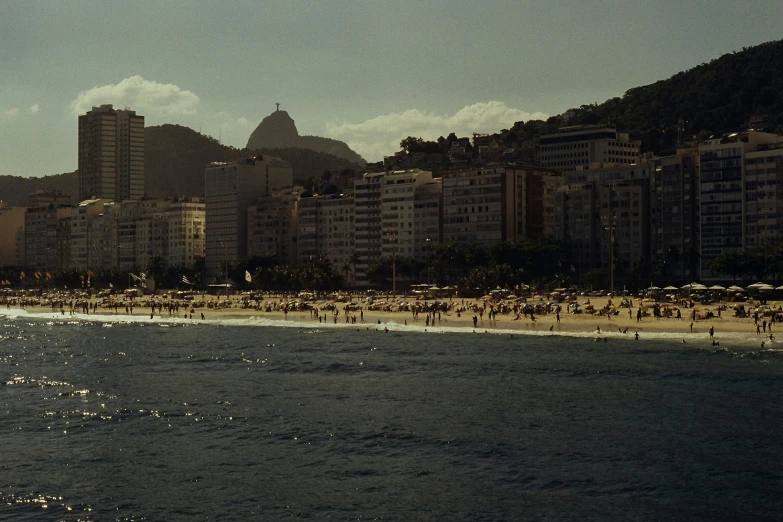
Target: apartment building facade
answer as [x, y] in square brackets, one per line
[111, 154]
[739, 199]
[582, 146]
[230, 190]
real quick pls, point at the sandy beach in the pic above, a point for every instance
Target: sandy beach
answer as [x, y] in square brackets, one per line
[456, 313]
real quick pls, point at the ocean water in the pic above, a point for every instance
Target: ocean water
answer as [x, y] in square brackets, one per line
[105, 419]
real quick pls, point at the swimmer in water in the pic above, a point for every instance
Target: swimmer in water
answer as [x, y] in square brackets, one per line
[636, 336]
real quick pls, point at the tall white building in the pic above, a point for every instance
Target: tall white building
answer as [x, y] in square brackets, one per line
[398, 213]
[111, 154]
[230, 190]
[89, 248]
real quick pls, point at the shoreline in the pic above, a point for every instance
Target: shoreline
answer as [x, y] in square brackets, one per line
[570, 324]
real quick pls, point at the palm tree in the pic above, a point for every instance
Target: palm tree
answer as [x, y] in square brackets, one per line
[156, 267]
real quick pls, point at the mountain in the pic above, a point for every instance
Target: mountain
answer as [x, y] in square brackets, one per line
[278, 130]
[734, 92]
[175, 157]
[174, 161]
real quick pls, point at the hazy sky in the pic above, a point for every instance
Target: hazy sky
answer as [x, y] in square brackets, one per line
[366, 72]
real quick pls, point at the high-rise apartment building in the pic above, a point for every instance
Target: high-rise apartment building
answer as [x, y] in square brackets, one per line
[674, 214]
[272, 226]
[499, 203]
[367, 218]
[230, 190]
[398, 213]
[111, 154]
[326, 229]
[604, 214]
[739, 196]
[577, 147]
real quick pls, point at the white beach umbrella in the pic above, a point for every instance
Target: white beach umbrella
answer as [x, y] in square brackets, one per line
[735, 288]
[671, 288]
[758, 284]
[716, 287]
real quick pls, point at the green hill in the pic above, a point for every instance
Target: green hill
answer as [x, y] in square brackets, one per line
[736, 91]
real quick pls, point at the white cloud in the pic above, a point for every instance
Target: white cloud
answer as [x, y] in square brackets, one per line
[9, 114]
[34, 108]
[380, 136]
[242, 121]
[148, 98]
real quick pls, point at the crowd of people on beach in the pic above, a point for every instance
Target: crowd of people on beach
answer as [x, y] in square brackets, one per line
[351, 308]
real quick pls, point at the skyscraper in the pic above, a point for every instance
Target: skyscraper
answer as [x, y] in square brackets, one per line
[111, 154]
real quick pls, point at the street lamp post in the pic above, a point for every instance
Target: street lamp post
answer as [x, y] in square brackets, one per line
[428, 260]
[393, 241]
[611, 241]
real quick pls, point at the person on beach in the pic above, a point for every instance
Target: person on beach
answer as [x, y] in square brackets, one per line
[638, 315]
[636, 336]
[691, 327]
[712, 331]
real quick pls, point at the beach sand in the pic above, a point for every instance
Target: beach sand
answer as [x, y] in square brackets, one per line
[544, 323]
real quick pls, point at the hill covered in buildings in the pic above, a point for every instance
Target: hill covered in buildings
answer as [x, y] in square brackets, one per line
[174, 161]
[278, 130]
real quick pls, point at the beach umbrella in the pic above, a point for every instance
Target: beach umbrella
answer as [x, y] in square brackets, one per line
[716, 287]
[766, 287]
[654, 288]
[757, 285]
[779, 288]
[735, 288]
[671, 288]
